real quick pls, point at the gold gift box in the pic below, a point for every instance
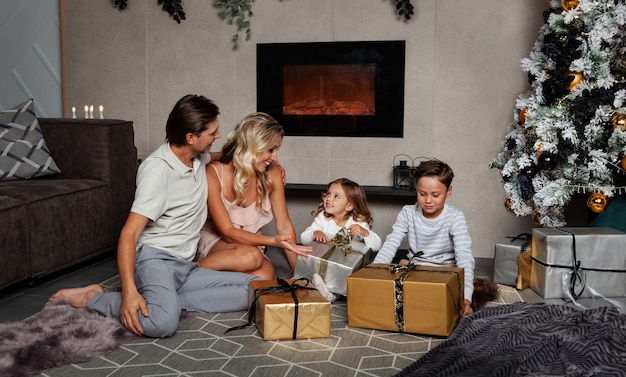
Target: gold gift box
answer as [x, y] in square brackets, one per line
[334, 264]
[429, 301]
[275, 311]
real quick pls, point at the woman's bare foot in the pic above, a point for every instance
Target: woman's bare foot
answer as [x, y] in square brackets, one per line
[77, 297]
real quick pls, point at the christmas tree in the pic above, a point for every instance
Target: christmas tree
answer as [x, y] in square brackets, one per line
[569, 131]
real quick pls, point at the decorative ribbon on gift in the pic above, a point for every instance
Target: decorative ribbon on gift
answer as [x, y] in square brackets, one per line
[404, 271]
[342, 241]
[526, 237]
[282, 288]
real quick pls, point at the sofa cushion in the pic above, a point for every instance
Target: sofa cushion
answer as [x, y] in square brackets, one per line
[23, 150]
[34, 190]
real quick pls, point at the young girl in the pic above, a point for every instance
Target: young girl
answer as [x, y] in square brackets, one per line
[246, 193]
[344, 205]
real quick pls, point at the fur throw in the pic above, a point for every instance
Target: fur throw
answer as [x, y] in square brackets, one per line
[58, 335]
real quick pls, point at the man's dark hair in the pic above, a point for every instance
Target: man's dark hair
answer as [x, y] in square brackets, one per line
[191, 114]
[436, 168]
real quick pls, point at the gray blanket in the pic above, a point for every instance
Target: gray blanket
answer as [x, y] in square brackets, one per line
[524, 339]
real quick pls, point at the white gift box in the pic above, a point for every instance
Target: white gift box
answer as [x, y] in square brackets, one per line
[594, 257]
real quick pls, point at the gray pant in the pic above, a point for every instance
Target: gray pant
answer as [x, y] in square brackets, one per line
[169, 285]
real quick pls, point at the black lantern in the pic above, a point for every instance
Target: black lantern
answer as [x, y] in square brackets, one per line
[403, 174]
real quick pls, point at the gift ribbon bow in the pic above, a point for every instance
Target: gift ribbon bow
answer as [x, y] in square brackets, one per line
[341, 241]
[283, 287]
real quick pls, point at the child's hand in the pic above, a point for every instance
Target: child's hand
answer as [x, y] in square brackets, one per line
[319, 236]
[357, 230]
[467, 309]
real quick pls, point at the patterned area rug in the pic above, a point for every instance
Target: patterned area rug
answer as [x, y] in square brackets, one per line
[200, 348]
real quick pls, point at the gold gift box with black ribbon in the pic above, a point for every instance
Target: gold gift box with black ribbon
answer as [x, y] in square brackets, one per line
[281, 315]
[413, 299]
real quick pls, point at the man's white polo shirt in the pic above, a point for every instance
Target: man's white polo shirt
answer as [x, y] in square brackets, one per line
[174, 198]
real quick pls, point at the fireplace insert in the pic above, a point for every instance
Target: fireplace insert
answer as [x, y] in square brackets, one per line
[353, 89]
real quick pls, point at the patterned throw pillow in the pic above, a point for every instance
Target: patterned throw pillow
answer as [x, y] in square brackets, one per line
[23, 150]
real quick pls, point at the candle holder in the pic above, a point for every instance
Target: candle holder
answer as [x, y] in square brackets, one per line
[403, 174]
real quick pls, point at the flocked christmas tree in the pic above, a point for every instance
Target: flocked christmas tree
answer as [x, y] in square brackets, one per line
[569, 131]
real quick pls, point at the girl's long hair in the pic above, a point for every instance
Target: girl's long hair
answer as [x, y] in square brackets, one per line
[249, 138]
[356, 196]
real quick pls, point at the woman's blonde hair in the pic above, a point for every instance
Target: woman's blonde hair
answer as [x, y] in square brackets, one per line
[251, 136]
[356, 196]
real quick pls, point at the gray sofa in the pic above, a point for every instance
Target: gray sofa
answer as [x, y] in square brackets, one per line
[55, 222]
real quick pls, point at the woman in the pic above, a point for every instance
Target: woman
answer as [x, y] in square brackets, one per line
[245, 193]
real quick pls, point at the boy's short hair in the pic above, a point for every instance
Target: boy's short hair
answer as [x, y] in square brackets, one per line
[436, 168]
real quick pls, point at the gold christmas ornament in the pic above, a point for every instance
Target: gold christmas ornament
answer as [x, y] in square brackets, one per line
[596, 202]
[539, 148]
[619, 121]
[577, 78]
[569, 4]
[523, 115]
[507, 202]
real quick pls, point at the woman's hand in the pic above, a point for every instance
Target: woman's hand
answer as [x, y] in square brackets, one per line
[288, 243]
[320, 236]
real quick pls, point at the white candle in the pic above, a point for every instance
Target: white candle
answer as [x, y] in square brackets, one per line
[73, 112]
[101, 112]
[91, 112]
[86, 112]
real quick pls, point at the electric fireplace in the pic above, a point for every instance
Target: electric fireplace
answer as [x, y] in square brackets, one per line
[353, 89]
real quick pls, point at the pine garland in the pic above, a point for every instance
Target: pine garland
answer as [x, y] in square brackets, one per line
[238, 12]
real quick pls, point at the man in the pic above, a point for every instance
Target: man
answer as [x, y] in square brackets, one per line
[158, 242]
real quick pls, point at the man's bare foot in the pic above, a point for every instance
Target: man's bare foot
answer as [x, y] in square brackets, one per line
[77, 297]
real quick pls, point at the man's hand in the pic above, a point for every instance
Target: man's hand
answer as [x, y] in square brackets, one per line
[132, 303]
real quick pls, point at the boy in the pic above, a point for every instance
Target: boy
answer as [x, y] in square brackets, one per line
[435, 228]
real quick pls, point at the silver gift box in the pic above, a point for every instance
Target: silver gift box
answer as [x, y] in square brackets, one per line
[601, 253]
[505, 259]
[334, 266]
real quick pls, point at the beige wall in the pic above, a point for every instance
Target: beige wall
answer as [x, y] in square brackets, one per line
[462, 78]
